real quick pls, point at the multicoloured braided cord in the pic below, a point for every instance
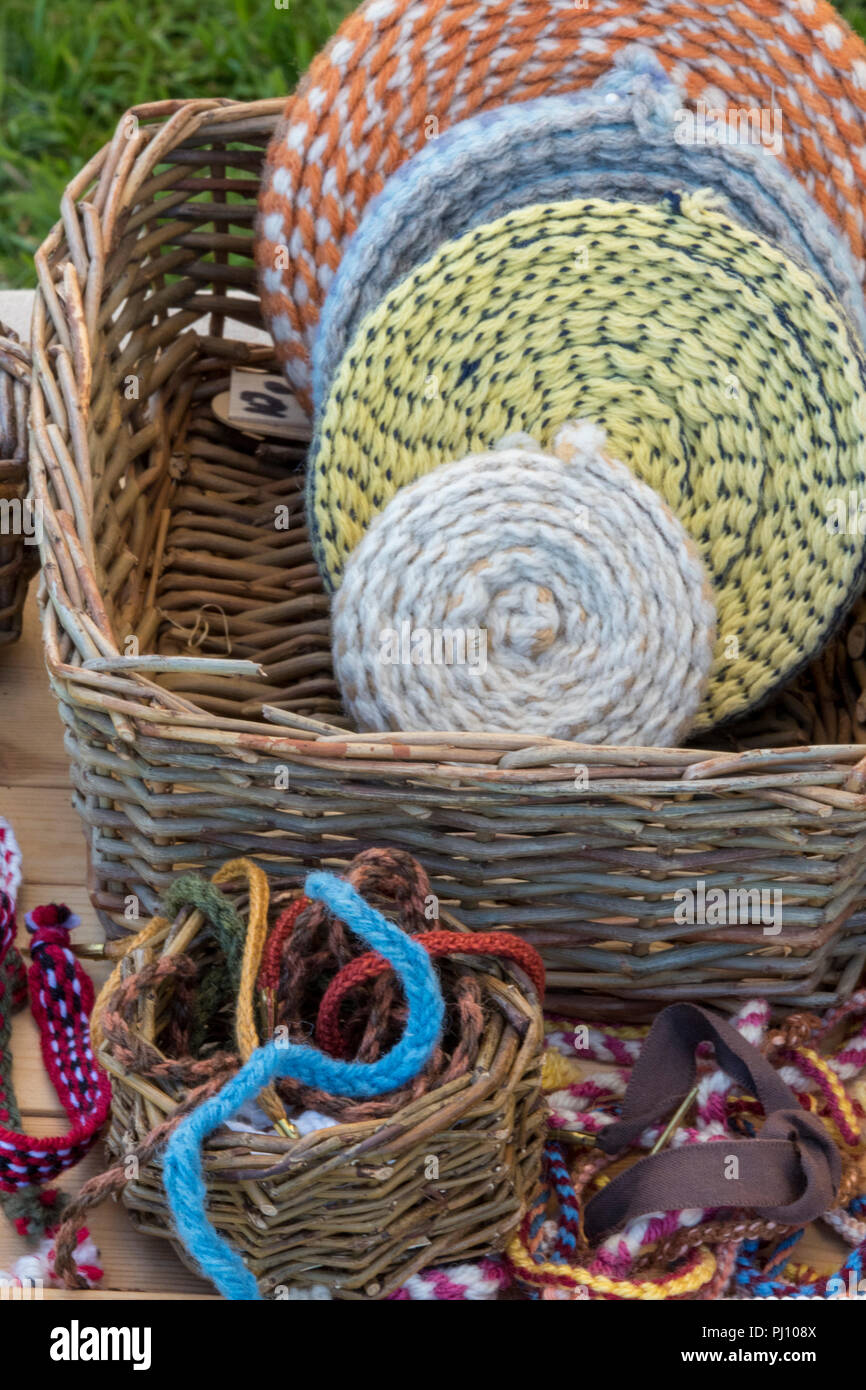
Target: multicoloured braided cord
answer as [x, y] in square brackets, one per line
[460, 355]
[625, 137]
[686, 1253]
[499, 944]
[847, 1282]
[399, 72]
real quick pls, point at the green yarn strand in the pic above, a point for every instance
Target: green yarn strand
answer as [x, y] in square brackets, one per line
[219, 985]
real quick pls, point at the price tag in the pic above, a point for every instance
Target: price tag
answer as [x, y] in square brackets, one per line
[264, 404]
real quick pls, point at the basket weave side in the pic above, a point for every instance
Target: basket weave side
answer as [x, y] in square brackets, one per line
[19, 557]
[359, 1207]
[187, 640]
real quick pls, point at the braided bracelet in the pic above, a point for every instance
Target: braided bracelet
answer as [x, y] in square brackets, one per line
[61, 997]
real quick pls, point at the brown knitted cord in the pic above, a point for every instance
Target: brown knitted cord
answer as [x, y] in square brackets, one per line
[141, 1057]
[798, 1030]
[320, 944]
[726, 1263]
[672, 1248]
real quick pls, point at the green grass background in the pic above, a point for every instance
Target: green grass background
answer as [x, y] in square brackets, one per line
[69, 68]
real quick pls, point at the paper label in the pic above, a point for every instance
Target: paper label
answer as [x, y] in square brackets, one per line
[264, 403]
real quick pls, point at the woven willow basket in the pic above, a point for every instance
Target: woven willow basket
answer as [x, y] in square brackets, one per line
[160, 540]
[18, 558]
[362, 1206]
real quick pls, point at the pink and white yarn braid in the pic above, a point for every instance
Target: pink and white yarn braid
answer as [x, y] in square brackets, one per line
[474, 1282]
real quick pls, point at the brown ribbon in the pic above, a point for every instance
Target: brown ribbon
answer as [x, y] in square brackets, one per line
[790, 1172]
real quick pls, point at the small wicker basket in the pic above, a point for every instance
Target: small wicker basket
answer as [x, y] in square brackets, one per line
[19, 557]
[358, 1207]
[188, 646]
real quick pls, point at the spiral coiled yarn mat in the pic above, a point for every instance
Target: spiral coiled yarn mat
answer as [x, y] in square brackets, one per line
[724, 376]
[399, 71]
[625, 137]
[586, 601]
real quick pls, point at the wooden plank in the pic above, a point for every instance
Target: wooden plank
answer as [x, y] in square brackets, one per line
[49, 833]
[31, 744]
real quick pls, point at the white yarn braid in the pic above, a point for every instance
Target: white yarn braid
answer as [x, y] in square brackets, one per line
[513, 591]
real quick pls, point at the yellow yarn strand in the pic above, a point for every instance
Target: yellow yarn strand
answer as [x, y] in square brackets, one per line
[557, 1071]
[257, 930]
[696, 1278]
[724, 375]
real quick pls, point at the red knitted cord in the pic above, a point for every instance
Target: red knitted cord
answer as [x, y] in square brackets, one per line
[437, 943]
[269, 970]
[61, 998]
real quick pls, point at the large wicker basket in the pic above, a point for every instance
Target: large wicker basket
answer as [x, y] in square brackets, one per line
[18, 554]
[187, 643]
[358, 1207]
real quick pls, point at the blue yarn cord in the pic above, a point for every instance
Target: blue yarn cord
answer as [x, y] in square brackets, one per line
[750, 1276]
[183, 1170]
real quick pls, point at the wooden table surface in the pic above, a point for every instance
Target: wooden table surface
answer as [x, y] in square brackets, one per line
[35, 797]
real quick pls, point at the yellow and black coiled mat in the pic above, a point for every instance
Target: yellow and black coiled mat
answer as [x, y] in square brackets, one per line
[724, 375]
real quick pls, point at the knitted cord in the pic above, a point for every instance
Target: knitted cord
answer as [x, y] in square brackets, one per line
[621, 138]
[191, 890]
[547, 568]
[140, 1057]
[136, 943]
[400, 72]
[691, 341]
[321, 943]
[500, 945]
[246, 1030]
[194, 1009]
[309, 945]
[183, 1170]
